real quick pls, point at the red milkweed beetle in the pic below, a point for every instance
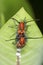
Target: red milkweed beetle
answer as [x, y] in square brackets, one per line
[21, 38]
[20, 35]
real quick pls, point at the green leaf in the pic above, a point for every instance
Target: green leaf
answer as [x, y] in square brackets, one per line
[31, 53]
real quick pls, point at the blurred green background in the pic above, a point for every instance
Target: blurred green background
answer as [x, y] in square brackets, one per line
[37, 6]
[9, 7]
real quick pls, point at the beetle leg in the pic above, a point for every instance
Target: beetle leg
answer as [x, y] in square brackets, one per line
[10, 39]
[14, 43]
[34, 37]
[11, 26]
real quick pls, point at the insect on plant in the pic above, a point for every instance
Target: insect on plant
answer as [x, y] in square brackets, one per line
[21, 38]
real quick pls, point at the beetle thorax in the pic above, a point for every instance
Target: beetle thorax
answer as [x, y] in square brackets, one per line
[21, 25]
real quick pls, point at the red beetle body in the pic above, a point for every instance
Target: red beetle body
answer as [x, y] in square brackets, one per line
[21, 31]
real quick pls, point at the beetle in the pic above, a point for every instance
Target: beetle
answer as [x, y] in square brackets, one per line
[21, 38]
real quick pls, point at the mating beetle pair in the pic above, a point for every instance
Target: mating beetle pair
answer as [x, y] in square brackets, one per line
[21, 38]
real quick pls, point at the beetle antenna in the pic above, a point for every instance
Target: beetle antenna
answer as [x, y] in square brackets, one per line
[25, 20]
[32, 20]
[15, 20]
